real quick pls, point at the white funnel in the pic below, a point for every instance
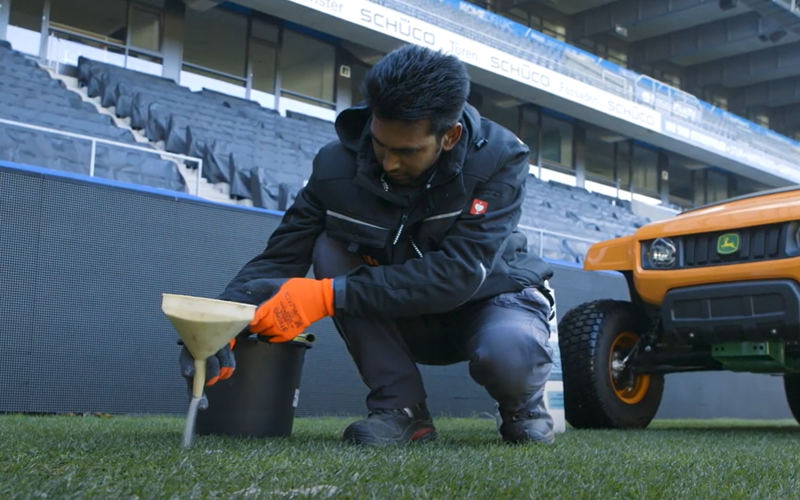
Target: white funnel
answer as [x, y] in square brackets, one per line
[205, 326]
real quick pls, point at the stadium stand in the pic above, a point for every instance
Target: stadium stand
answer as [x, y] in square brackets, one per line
[29, 95]
[498, 33]
[253, 151]
[504, 34]
[572, 218]
[265, 157]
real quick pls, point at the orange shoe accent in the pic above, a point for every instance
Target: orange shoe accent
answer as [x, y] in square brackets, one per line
[420, 434]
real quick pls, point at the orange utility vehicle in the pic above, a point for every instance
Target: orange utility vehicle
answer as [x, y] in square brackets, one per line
[714, 288]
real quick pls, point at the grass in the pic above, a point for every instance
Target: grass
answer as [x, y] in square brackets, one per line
[141, 457]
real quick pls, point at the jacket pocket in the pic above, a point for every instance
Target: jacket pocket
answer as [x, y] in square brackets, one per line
[357, 231]
[431, 230]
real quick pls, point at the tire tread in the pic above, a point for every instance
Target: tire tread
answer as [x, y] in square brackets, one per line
[579, 335]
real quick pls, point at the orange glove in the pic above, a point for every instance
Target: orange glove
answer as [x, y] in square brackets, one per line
[299, 303]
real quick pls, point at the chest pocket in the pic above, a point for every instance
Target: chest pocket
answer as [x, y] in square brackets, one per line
[355, 231]
[431, 230]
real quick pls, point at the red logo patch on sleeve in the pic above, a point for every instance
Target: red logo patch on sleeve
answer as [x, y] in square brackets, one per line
[478, 207]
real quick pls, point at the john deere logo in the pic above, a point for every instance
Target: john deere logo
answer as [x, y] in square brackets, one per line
[728, 243]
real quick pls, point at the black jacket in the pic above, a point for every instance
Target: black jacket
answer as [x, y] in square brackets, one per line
[434, 254]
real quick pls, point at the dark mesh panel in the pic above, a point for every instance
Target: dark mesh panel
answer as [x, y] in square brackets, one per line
[20, 200]
[83, 268]
[82, 327]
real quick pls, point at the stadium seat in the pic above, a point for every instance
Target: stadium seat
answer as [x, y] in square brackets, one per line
[234, 137]
[264, 157]
[29, 95]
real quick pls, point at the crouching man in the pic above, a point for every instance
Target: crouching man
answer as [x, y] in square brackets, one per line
[410, 222]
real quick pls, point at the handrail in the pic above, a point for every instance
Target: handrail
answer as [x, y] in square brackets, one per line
[542, 232]
[72, 31]
[95, 140]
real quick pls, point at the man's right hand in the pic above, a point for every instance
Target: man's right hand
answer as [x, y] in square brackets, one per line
[218, 367]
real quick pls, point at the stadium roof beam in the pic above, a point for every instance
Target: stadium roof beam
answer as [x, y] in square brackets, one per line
[202, 5]
[643, 19]
[779, 11]
[747, 69]
[773, 93]
[505, 5]
[570, 7]
[723, 38]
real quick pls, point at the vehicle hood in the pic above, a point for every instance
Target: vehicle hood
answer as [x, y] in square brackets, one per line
[751, 211]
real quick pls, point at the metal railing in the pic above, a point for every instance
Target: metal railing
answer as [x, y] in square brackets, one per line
[96, 140]
[542, 232]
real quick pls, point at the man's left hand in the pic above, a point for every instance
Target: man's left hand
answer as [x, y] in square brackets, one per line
[298, 303]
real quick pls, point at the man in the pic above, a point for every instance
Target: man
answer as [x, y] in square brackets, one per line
[409, 221]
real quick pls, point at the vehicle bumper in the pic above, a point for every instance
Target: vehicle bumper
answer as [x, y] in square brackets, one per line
[732, 312]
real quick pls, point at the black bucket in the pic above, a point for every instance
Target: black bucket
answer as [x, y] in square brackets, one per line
[260, 398]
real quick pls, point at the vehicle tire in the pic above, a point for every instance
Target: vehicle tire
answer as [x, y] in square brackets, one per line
[791, 385]
[589, 337]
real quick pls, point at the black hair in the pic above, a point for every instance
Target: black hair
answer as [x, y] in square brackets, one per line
[415, 83]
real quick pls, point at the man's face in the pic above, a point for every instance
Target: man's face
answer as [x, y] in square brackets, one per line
[407, 150]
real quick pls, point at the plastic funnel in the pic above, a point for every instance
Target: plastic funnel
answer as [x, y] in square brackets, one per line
[205, 326]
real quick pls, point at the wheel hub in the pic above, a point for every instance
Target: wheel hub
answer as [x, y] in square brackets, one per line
[629, 387]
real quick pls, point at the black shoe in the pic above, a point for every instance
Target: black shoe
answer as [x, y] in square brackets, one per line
[527, 425]
[392, 426]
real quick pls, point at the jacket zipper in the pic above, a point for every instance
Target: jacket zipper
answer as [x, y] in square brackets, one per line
[410, 238]
[416, 248]
[404, 218]
[400, 229]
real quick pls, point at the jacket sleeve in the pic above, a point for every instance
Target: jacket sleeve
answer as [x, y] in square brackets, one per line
[444, 279]
[289, 249]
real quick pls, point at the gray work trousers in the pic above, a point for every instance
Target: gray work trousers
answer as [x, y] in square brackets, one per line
[504, 339]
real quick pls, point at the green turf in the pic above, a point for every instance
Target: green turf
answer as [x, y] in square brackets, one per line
[141, 457]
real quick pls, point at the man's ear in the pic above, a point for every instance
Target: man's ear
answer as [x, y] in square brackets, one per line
[452, 136]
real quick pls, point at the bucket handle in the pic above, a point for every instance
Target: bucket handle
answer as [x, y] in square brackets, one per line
[305, 339]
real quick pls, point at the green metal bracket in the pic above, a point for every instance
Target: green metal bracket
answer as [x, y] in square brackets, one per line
[758, 357]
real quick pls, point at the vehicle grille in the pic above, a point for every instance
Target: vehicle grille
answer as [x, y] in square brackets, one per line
[755, 244]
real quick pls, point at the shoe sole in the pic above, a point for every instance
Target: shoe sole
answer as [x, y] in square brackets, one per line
[541, 440]
[356, 437]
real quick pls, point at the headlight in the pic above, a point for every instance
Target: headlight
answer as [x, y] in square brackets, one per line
[792, 239]
[662, 253]
[797, 236]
